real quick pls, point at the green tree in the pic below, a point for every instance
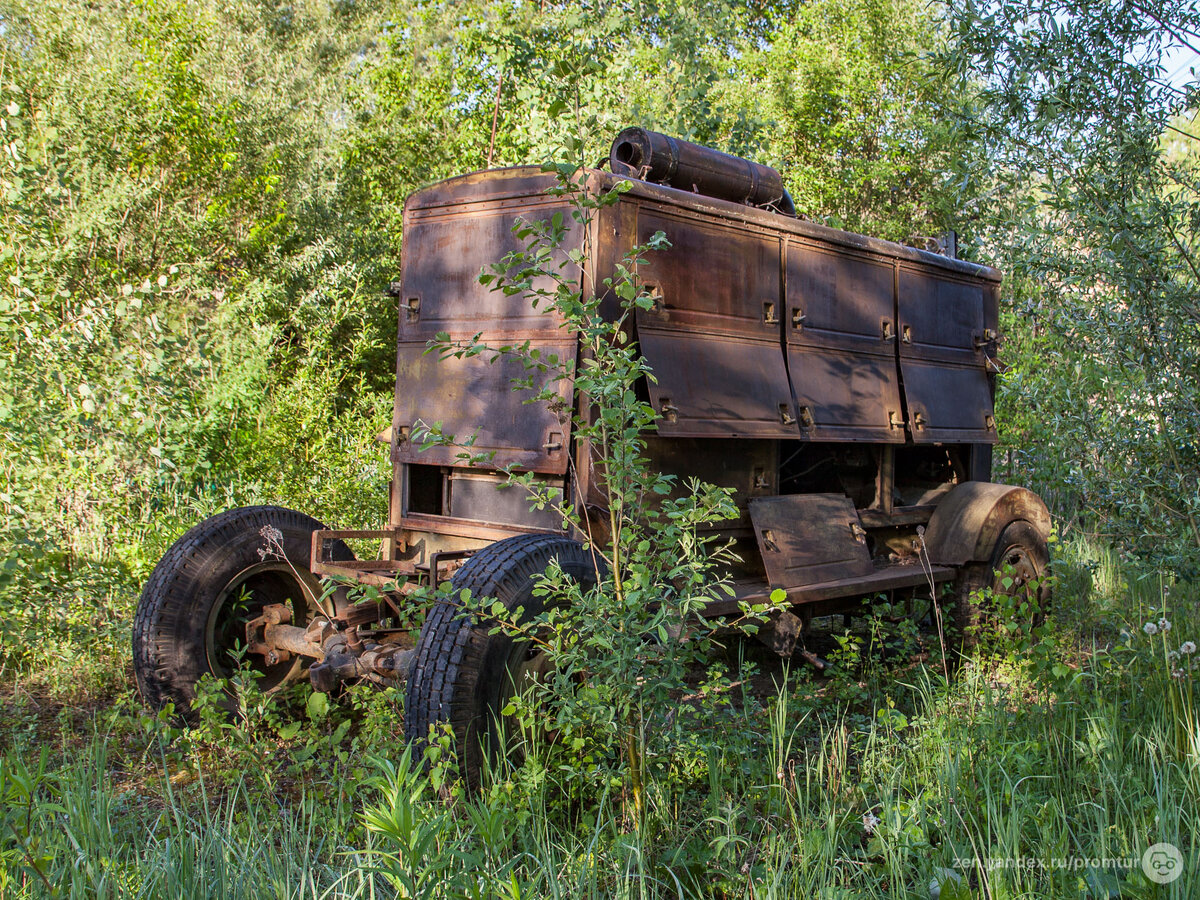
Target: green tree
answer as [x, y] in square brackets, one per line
[1091, 210]
[168, 280]
[835, 94]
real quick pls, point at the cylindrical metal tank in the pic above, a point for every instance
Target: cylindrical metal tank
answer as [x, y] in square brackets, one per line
[659, 158]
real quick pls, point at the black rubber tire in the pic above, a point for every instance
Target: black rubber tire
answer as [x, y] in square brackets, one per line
[460, 673]
[185, 624]
[1020, 553]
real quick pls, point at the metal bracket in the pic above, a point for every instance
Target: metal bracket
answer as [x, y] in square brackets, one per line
[989, 337]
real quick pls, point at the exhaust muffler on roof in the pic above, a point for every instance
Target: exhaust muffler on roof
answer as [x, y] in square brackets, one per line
[659, 158]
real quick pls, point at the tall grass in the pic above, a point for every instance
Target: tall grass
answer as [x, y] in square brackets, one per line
[1043, 769]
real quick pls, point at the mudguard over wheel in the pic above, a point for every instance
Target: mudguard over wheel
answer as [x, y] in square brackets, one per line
[462, 674]
[1018, 568]
[193, 611]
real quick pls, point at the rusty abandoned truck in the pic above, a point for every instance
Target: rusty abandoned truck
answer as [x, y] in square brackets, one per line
[843, 386]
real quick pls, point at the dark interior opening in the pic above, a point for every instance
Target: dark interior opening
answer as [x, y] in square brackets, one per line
[425, 490]
[629, 154]
[812, 468]
[922, 470]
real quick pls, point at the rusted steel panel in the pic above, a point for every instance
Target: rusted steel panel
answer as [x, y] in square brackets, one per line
[814, 596]
[845, 396]
[445, 251]
[969, 519]
[944, 343]
[711, 385]
[752, 471]
[476, 397]
[713, 338]
[454, 230]
[841, 345]
[714, 210]
[810, 539]
[713, 275]
[942, 315]
[491, 498]
[948, 404]
[467, 192]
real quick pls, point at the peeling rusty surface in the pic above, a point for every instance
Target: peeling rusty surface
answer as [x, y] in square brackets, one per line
[712, 338]
[943, 357]
[475, 402]
[842, 345]
[453, 231]
[660, 158]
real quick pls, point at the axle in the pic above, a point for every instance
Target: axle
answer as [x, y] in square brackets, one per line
[340, 652]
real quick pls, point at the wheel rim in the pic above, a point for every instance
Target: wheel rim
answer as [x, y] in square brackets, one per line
[244, 598]
[1017, 563]
[1021, 568]
[527, 665]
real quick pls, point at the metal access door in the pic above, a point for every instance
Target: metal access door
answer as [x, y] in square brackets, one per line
[947, 328]
[477, 398]
[712, 339]
[809, 539]
[841, 345]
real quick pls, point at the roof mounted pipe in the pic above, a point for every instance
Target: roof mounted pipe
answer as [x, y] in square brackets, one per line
[659, 158]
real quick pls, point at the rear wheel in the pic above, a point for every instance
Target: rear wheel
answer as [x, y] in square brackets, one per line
[191, 619]
[463, 676]
[1015, 573]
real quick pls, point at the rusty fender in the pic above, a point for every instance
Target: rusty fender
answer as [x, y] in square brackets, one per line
[968, 521]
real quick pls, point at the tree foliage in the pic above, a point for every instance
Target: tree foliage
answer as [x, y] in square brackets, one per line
[1091, 209]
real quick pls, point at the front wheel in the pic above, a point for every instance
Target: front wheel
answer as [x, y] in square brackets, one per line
[191, 618]
[463, 676]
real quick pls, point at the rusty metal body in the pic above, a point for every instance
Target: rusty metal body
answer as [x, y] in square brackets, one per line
[842, 385]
